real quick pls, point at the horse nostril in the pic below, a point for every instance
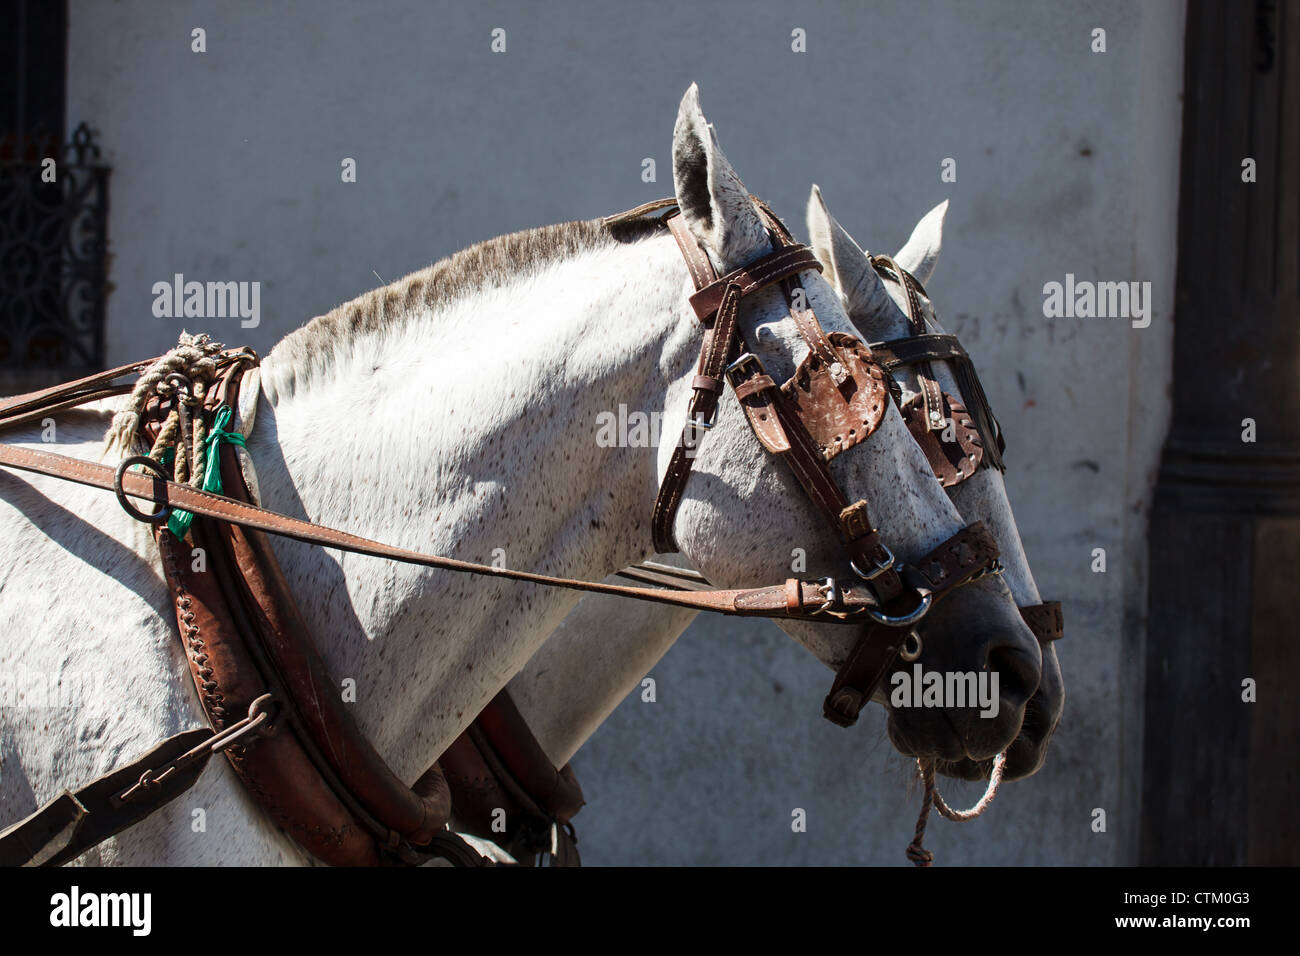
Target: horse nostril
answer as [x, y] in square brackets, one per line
[1018, 673]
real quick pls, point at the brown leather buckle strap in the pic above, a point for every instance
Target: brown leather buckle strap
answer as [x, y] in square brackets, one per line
[759, 274]
[960, 559]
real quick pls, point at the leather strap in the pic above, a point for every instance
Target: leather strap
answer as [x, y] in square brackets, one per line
[497, 767]
[739, 602]
[953, 563]
[63, 394]
[930, 394]
[1046, 620]
[942, 347]
[72, 823]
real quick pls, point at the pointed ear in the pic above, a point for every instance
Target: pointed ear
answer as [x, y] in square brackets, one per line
[921, 254]
[847, 267]
[713, 200]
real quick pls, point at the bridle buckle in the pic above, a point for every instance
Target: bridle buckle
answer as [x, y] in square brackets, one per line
[830, 592]
[879, 567]
[746, 359]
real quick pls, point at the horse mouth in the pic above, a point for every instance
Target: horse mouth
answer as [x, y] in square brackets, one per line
[1025, 755]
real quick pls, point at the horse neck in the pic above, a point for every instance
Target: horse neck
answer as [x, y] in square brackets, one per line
[470, 431]
[598, 655]
[983, 496]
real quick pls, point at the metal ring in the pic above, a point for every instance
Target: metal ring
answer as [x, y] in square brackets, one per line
[157, 469]
[911, 647]
[180, 383]
[904, 620]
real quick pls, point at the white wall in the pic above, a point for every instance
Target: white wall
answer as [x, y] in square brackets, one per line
[226, 166]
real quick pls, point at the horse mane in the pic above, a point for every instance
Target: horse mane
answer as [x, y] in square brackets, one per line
[484, 265]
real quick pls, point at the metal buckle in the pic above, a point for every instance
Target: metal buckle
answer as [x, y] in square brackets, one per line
[879, 568]
[830, 592]
[699, 424]
[744, 360]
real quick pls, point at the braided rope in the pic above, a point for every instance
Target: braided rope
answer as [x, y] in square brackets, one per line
[194, 358]
[917, 853]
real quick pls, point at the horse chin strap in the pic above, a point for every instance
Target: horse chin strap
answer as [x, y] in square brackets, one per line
[836, 398]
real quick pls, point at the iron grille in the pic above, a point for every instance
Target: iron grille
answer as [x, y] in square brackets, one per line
[53, 254]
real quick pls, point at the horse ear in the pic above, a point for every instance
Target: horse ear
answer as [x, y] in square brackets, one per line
[848, 268]
[921, 254]
[713, 200]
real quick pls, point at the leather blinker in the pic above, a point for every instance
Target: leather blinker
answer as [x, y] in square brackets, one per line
[840, 406]
[955, 450]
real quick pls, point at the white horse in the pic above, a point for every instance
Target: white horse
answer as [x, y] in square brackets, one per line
[617, 643]
[453, 412]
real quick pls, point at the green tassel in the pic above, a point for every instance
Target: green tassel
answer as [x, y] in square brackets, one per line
[180, 521]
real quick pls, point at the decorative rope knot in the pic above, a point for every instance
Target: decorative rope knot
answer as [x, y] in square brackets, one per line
[185, 442]
[183, 372]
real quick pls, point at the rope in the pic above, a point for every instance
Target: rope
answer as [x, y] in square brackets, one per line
[917, 853]
[209, 477]
[194, 359]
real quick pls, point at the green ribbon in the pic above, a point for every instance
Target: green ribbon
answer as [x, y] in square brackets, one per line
[180, 521]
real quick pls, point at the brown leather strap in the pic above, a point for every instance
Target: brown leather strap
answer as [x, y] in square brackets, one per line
[1046, 620]
[953, 563]
[930, 393]
[740, 602]
[759, 274]
[72, 823]
[555, 792]
[46, 399]
[497, 767]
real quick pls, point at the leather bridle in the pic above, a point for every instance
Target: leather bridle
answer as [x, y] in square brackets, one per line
[978, 441]
[835, 399]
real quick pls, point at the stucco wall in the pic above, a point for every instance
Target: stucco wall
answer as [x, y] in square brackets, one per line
[226, 166]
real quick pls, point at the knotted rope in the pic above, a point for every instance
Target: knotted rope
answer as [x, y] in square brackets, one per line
[917, 853]
[184, 372]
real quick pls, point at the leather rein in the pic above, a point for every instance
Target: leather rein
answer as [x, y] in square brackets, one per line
[835, 399]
